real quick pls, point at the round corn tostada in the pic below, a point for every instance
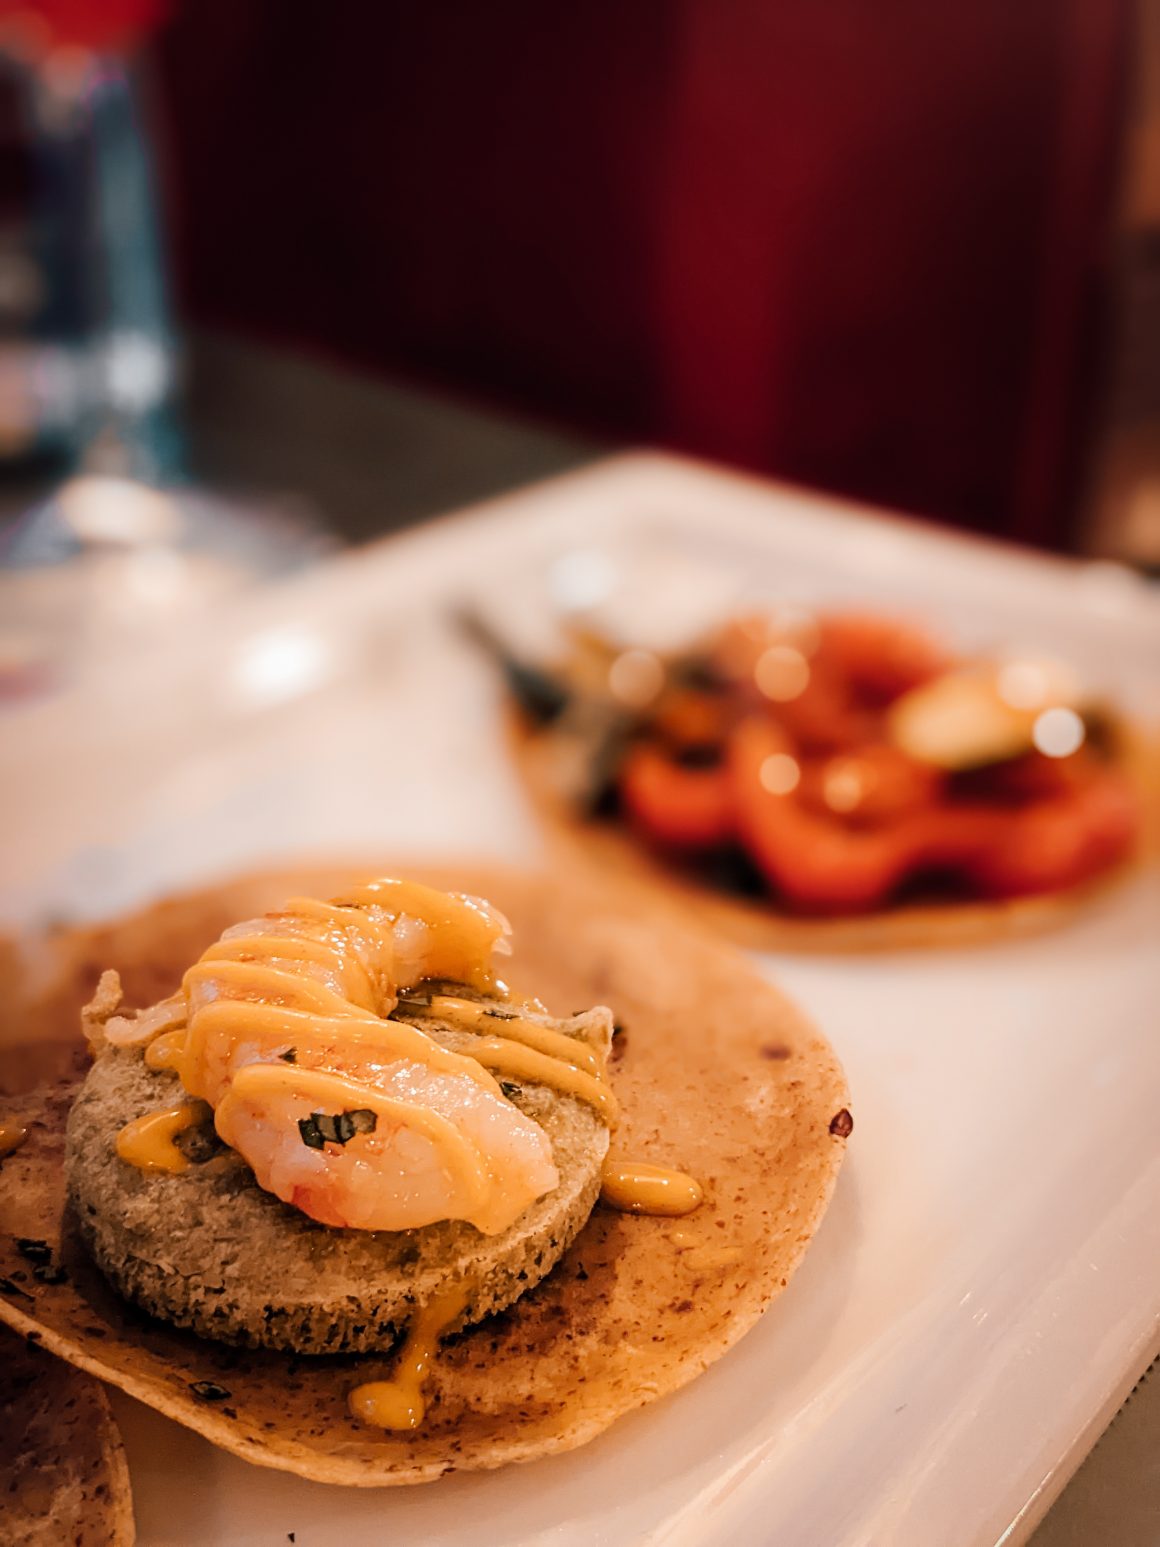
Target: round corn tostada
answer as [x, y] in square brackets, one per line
[715, 1072]
[760, 923]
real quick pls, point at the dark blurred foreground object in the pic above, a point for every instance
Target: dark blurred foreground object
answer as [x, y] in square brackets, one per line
[856, 244]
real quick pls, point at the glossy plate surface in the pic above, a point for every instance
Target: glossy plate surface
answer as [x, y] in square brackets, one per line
[986, 1286]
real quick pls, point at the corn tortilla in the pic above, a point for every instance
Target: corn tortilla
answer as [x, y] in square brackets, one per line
[609, 850]
[717, 1073]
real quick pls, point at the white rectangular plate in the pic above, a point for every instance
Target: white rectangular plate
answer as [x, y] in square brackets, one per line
[986, 1286]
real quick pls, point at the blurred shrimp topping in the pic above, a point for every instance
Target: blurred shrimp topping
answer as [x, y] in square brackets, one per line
[833, 762]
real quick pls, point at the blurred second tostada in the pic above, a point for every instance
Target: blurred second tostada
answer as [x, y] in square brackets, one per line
[833, 778]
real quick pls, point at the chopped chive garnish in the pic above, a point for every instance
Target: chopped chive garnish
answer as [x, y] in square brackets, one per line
[510, 1091]
[208, 1391]
[35, 1250]
[335, 1127]
[290, 1056]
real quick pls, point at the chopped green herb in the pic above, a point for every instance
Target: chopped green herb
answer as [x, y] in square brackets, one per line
[311, 1137]
[510, 1090]
[34, 1250]
[502, 1015]
[290, 1056]
[335, 1127]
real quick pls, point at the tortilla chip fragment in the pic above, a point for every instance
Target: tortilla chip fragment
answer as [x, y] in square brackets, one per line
[63, 1477]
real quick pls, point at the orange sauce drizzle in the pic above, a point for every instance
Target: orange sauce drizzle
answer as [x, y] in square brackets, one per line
[315, 985]
[524, 1063]
[512, 1027]
[636, 1187]
[148, 1142]
[399, 1403]
[12, 1136]
[165, 1051]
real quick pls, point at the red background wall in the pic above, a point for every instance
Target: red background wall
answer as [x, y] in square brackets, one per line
[856, 243]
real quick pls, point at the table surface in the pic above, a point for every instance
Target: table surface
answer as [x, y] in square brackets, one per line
[444, 454]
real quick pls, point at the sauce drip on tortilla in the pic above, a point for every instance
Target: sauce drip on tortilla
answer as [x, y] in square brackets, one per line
[12, 1136]
[399, 1403]
[633, 1186]
[637, 1187]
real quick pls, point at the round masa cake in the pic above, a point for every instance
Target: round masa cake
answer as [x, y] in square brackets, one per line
[208, 1249]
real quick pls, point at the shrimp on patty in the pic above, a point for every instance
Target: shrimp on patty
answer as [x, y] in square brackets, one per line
[361, 1121]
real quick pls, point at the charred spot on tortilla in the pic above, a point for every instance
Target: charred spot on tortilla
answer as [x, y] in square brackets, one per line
[209, 1391]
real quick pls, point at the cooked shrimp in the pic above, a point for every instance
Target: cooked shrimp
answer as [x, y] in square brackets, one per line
[443, 1146]
[356, 1119]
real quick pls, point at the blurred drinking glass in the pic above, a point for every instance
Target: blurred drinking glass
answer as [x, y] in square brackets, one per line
[86, 348]
[88, 367]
